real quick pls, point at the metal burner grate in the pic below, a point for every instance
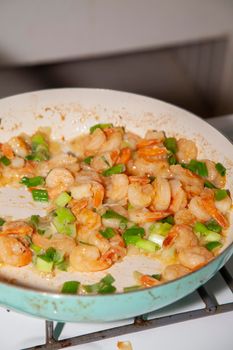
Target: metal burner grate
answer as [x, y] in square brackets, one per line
[141, 323]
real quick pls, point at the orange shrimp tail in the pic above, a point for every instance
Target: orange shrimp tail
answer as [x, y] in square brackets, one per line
[147, 143]
[7, 150]
[25, 258]
[215, 213]
[125, 156]
[156, 215]
[151, 152]
[142, 180]
[148, 281]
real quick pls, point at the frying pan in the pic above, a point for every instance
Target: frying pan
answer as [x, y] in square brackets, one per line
[70, 112]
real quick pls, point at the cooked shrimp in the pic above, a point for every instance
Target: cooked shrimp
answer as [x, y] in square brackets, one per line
[19, 146]
[102, 161]
[77, 205]
[17, 228]
[142, 167]
[60, 242]
[187, 150]
[140, 216]
[17, 162]
[207, 200]
[181, 237]
[116, 249]
[159, 136]
[147, 143]
[112, 143]
[131, 139]
[124, 156]
[87, 258]
[224, 205]
[184, 217]
[213, 174]
[194, 257]
[92, 190]
[7, 150]
[172, 272]
[178, 196]
[140, 196]
[85, 176]
[192, 183]
[94, 238]
[13, 252]
[142, 180]
[118, 187]
[197, 209]
[89, 219]
[152, 152]
[59, 176]
[148, 281]
[162, 194]
[95, 141]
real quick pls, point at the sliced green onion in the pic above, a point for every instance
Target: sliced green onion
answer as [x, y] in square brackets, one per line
[221, 169]
[209, 235]
[62, 265]
[157, 276]
[108, 279]
[5, 161]
[34, 220]
[38, 139]
[2, 221]
[172, 160]
[197, 167]
[104, 286]
[201, 228]
[220, 194]
[88, 160]
[212, 225]
[100, 126]
[158, 239]
[212, 245]
[35, 248]
[40, 148]
[133, 234]
[209, 184]
[65, 215]
[64, 228]
[131, 288]
[160, 228]
[147, 245]
[108, 233]
[212, 237]
[40, 195]
[116, 169]
[70, 287]
[32, 181]
[44, 264]
[169, 219]
[171, 144]
[63, 199]
[111, 214]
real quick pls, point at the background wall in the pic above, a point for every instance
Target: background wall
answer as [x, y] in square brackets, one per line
[35, 33]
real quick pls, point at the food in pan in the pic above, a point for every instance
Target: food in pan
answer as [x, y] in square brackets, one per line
[112, 194]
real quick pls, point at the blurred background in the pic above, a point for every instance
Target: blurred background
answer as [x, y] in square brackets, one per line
[180, 51]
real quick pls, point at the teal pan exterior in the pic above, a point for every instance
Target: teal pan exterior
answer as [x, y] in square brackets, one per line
[142, 113]
[97, 308]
